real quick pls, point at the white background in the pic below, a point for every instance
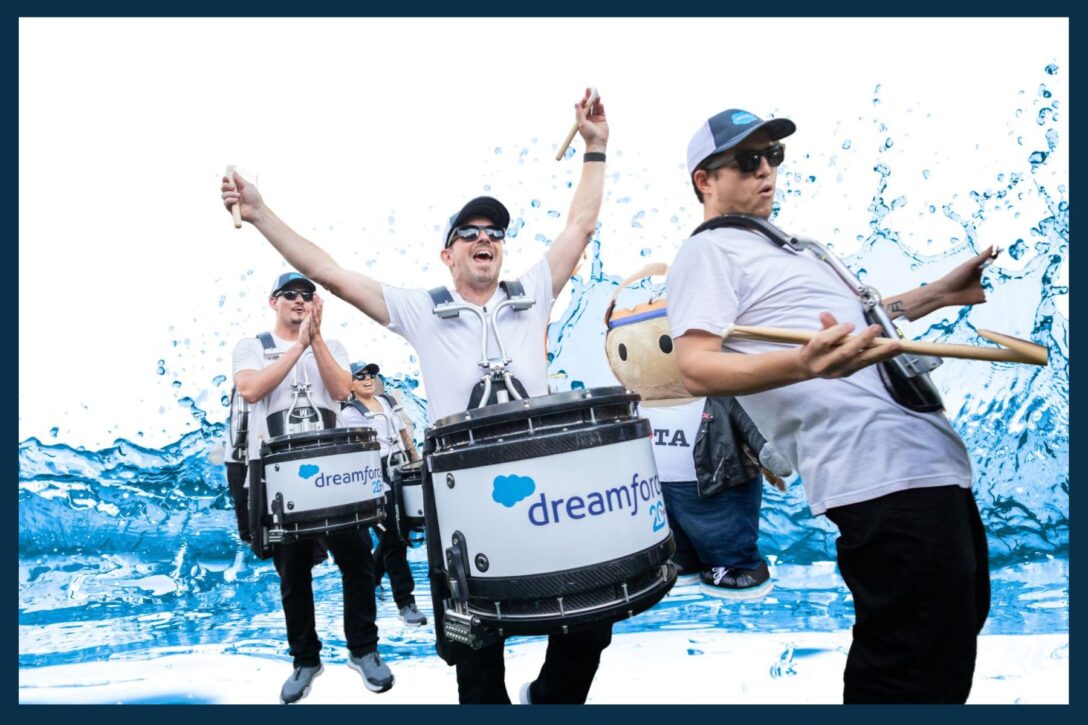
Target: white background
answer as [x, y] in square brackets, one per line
[365, 134]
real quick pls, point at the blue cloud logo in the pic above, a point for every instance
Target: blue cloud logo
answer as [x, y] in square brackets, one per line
[308, 470]
[742, 118]
[508, 490]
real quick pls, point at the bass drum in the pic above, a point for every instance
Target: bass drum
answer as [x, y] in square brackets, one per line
[408, 494]
[547, 514]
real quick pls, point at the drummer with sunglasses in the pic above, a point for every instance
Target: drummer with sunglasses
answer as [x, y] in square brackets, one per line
[472, 249]
[369, 408]
[301, 356]
[896, 482]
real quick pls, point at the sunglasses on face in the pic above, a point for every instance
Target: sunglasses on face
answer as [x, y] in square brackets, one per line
[748, 160]
[292, 294]
[365, 376]
[472, 233]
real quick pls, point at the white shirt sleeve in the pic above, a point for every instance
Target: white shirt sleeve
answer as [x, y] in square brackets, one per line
[702, 295]
[248, 355]
[406, 308]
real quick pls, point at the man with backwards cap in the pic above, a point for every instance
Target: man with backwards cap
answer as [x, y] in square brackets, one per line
[473, 251]
[264, 378]
[366, 409]
[896, 482]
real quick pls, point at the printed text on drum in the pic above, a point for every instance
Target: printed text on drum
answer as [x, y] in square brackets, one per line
[509, 490]
[367, 475]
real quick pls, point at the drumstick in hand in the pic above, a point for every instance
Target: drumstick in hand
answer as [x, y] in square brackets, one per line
[1015, 350]
[574, 129]
[235, 211]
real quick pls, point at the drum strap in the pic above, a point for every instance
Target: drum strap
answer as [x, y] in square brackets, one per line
[442, 296]
[238, 437]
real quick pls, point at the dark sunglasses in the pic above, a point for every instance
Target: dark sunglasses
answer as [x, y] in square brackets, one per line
[748, 160]
[365, 376]
[291, 294]
[472, 233]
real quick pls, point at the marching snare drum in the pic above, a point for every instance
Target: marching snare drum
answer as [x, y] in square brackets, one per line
[547, 513]
[321, 481]
[408, 493]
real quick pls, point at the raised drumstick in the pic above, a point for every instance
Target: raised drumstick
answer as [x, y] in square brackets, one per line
[1023, 352]
[574, 129]
[235, 211]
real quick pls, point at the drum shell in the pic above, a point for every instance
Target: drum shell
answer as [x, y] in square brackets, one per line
[408, 488]
[328, 479]
[559, 528]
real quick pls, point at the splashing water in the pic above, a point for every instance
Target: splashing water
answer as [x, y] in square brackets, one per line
[128, 548]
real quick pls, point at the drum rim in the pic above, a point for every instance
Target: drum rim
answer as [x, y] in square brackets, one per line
[516, 409]
[368, 433]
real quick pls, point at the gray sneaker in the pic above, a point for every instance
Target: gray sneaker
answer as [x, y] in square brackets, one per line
[412, 616]
[376, 674]
[298, 684]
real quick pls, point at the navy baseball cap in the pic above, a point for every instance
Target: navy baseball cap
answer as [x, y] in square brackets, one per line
[727, 129]
[484, 206]
[287, 278]
[361, 367]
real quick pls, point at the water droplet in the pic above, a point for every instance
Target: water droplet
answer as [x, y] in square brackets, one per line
[162, 367]
[219, 380]
[176, 384]
[225, 401]
[1051, 69]
[645, 252]
[53, 431]
[498, 151]
[925, 173]
[535, 203]
[847, 144]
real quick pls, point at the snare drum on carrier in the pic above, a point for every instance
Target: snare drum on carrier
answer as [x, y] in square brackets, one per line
[317, 482]
[546, 514]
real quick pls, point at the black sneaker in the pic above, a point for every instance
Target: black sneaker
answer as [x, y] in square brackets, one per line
[734, 583]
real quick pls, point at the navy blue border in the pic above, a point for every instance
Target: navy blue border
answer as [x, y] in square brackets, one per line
[485, 8]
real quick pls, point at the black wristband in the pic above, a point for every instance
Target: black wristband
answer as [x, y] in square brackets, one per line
[593, 156]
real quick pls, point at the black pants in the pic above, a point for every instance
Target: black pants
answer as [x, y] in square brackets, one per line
[294, 562]
[391, 556]
[569, 667]
[917, 564]
[236, 484]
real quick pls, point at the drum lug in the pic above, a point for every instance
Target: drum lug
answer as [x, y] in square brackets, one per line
[457, 567]
[450, 480]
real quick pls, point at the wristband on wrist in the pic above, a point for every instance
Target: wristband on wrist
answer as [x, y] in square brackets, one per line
[593, 156]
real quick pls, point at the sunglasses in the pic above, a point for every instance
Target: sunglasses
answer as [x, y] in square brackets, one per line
[291, 294]
[365, 376]
[472, 233]
[748, 161]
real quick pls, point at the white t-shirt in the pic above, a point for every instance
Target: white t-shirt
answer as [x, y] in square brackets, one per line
[674, 430]
[449, 350]
[249, 354]
[386, 428]
[846, 437]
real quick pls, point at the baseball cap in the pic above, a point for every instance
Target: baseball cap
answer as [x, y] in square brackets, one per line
[287, 278]
[361, 367]
[484, 206]
[727, 129]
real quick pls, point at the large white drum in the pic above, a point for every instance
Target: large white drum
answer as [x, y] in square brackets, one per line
[408, 494]
[321, 481]
[548, 511]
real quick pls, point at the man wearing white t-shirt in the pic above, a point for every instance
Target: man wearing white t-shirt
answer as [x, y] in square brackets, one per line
[367, 409]
[448, 348]
[269, 378]
[896, 482]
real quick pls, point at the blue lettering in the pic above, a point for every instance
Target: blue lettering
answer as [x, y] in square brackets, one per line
[575, 504]
[596, 504]
[555, 508]
[544, 512]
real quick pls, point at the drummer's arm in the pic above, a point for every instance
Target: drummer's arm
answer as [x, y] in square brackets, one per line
[308, 258]
[961, 286]
[254, 385]
[409, 445]
[566, 250]
[337, 380]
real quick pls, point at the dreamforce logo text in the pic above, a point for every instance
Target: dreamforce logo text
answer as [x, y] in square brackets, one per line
[321, 479]
[547, 511]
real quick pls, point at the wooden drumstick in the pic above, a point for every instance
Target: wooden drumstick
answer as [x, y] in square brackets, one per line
[1025, 348]
[574, 129]
[235, 210]
[1023, 352]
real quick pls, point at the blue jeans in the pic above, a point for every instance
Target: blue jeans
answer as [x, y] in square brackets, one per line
[721, 530]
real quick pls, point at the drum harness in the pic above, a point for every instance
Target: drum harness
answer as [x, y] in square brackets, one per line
[906, 376]
[392, 440]
[497, 384]
[238, 430]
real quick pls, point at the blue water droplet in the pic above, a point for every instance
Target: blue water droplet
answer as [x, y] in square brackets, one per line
[576, 385]
[161, 367]
[498, 151]
[925, 173]
[694, 652]
[176, 384]
[219, 380]
[535, 203]
[222, 300]
[847, 144]
[888, 143]
[1051, 69]
[53, 431]
[645, 252]
[225, 401]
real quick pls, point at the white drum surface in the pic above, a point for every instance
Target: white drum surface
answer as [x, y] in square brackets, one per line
[321, 482]
[413, 500]
[548, 514]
